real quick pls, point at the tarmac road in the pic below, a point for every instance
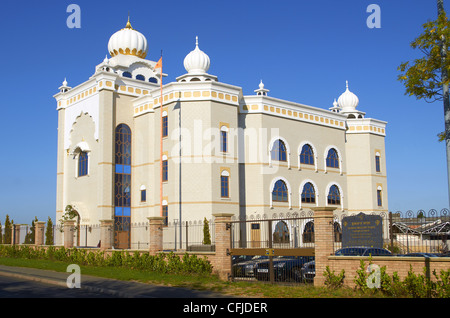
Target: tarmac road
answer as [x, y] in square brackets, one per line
[18, 282]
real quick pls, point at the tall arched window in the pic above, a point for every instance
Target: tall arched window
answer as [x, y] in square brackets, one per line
[122, 187]
[82, 164]
[308, 193]
[278, 151]
[307, 155]
[280, 192]
[332, 158]
[334, 196]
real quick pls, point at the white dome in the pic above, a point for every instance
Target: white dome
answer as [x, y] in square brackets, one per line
[197, 61]
[128, 42]
[348, 101]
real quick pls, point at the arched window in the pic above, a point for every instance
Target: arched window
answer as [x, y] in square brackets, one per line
[280, 192]
[308, 232]
[224, 184]
[307, 155]
[153, 80]
[281, 233]
[82, 164]
[308, 193]
[278, 151]
[140, 77]
[332, 158]
[334, 196]
[122, 187]
[165, 124]
[126, 74]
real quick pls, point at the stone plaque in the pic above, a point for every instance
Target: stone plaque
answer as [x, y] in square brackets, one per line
[362, 230]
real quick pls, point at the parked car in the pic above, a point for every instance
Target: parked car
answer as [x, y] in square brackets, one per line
[245, 268]
[241, 258]
[419, 255]
[309, 272]
[286, 268]
[362, 251]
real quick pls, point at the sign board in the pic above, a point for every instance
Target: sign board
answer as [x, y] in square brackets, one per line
[362, 230]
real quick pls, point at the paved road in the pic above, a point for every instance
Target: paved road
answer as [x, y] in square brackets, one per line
[33, 283]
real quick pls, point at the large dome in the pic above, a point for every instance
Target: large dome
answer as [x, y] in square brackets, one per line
[197, 61]
[128, 41]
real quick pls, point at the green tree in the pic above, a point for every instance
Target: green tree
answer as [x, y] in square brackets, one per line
[30, 236]
[1, 235]
[206, 234]
[427, 77]
[8, 229]
[49, 232]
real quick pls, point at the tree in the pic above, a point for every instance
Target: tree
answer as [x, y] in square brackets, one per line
[206, 234]
[8, 228]
[427, 77]
[1, 235]
[49, 232]
[30, 236]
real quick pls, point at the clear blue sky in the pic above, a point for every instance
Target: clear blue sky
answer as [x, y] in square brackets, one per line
[304, 51]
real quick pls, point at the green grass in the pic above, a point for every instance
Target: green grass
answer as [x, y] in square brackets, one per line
[199, 282]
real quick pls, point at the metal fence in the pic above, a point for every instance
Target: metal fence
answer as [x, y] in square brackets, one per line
[190, 236]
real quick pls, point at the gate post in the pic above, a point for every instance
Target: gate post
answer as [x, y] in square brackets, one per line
[69, 229]
[156, 234]
[323, 239]
[106, 234]
[223, 240]
[39, 233]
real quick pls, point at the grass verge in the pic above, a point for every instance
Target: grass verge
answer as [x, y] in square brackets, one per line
[199, 282]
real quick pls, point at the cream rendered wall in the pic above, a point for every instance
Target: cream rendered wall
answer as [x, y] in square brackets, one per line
[259, 178]
[362, 176]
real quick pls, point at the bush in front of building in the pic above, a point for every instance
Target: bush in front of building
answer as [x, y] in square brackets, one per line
[162, 263]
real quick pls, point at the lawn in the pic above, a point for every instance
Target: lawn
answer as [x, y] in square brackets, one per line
[199, 282]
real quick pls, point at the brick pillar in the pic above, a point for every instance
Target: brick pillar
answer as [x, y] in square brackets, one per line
[106, 234]
[323, 238]
[223, 240]
[15, 239]
[69, 231]
[156, 234]
[39, 235]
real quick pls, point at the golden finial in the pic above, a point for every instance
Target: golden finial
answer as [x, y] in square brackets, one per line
[128, 26]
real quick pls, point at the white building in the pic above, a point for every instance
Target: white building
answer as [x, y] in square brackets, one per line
[221, 151]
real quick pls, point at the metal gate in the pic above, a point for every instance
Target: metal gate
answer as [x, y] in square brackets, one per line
[279, 249]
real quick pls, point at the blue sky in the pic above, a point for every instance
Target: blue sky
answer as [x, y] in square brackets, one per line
[304, 51]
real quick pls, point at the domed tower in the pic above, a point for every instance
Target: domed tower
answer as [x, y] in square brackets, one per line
[348, 102]
[128, 49]
[197, 65]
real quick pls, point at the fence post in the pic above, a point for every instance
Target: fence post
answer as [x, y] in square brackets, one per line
[156, 234]
[69, 229]
[323, 238]
[39, 233]
[106, 230]
[223, 240]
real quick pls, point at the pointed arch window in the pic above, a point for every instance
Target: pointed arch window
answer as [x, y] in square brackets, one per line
[278, 151]
[280, 192]
[83, 164]
[332, 158]
[308, 193]
[307, 155]
[334, 196]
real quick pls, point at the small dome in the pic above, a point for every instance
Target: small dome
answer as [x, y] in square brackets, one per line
[128, 41]
[197, 61]
[348, 101]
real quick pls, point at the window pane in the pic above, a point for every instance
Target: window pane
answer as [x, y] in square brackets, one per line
[224, 186]
[279, 192]
[306, 156]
